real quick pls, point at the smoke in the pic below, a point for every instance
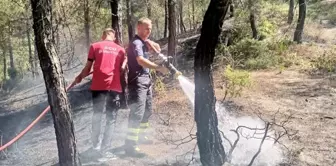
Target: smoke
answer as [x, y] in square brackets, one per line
[246, 148]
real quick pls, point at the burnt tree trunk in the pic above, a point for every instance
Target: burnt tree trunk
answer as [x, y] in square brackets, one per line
[182, 26]
[252, 19]
[208, 138]
[129, 19]
[31, 57]
[87, 24]
[165, 33]
[149, 8]
[253, 25]
[10, 47]
[117, 19]
[4, 64]
[55, 84]
[290, 12]
[36, 60]
[193, 13]
[172, 29]
[301, 21]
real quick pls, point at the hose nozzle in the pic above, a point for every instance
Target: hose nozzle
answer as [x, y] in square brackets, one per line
[168, 63]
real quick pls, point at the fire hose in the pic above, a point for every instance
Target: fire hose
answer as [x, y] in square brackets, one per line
[166, 62]
[32, 124]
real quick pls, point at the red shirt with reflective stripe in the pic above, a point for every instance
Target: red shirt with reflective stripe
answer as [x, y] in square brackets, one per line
[108, 58]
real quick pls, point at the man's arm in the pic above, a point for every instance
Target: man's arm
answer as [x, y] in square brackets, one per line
[145, 62]
[85, 72]
[124, 63]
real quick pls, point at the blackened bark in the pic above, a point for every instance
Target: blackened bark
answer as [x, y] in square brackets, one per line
[208, 138]
[129, 20]
[290, 12]
[4, 64]
[165, 33]
[31, 57]
[117, 19]
[252, 19]
[182, 26]
[172, 29]
[301, 21]
[193, 13]
[149, 8]
[253, 25]
[87, 24]
[54, 81]
[11, 55]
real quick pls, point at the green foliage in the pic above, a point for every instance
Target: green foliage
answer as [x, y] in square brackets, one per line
[322, 10]
[326, 62]
[235, 81]
[267, 28]
[159, 87]
[253, 54]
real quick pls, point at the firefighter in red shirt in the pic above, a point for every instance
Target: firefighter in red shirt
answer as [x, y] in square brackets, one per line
[108, 60]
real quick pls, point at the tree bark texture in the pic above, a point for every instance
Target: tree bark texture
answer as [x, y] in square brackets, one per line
[54, 81]
[165, 33]
[117, 19]
[87, 24]
[252, 19]
[301, 21]
[149, 8]
[4, 64]
[208, 138]
[290, 12]
[129, 20]
[182, 26]
[172, 29]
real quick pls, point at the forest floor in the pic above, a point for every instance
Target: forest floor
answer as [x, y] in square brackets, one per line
[309, 97]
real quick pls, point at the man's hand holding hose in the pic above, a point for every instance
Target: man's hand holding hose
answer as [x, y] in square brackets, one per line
[156, 48]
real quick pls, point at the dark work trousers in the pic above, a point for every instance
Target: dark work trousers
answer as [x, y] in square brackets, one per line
[140, 104]
[109, 100]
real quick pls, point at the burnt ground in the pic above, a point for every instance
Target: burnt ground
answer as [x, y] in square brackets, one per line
[309, 98]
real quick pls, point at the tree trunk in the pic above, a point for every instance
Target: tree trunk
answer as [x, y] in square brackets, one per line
[129, 19]
[252, 19]
[193, 13]
[182, 27]
[290, 12]
[166, 20]
[87, 23]
[117, 19]
[301, 21]
[172, 29]
[11, 55]
[31, 57]
[253, 25]
[190, 20]
[4, 64]
[149, 8]
[208, 138]
[36, 60]
[55, 84]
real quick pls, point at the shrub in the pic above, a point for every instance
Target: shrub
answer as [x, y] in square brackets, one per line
[235, 81]
[326, 62]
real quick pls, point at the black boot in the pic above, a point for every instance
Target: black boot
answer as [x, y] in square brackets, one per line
[132, 150]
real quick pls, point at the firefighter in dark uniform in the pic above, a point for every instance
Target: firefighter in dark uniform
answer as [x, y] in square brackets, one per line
[140, 88]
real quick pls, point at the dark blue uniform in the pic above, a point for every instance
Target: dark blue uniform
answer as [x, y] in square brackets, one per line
[140, 92]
